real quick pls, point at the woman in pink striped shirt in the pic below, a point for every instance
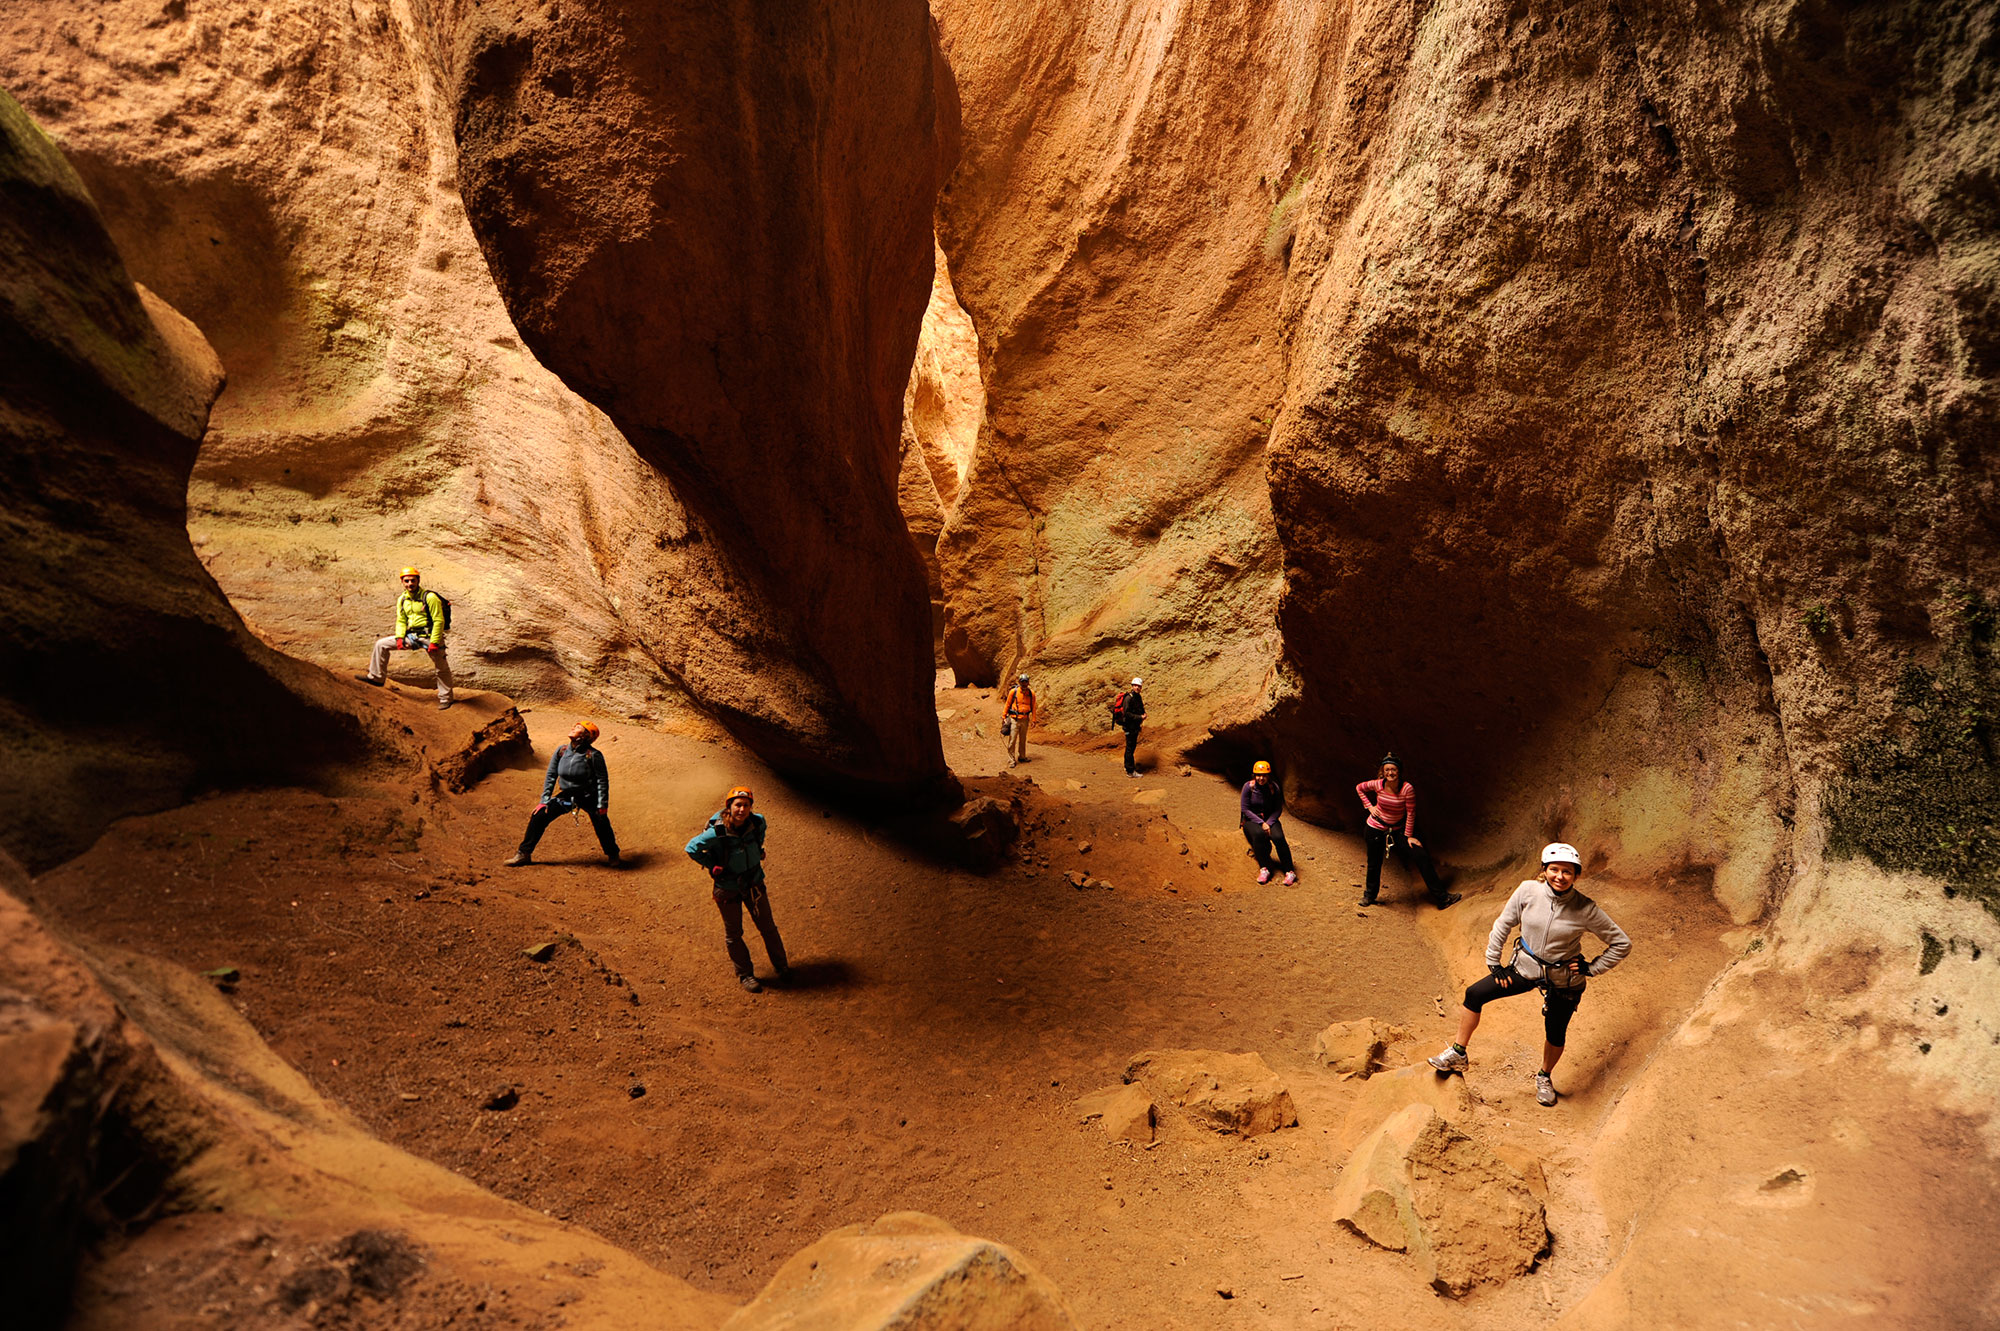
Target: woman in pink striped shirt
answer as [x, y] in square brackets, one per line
[1392, 824]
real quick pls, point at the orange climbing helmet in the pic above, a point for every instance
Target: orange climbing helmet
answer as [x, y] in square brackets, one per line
[589, 728]
[1260, 768]
[736, 793]
[410, 573]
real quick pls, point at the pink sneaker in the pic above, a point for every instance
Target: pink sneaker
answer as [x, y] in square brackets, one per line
[1263, 875]
[1291, 879]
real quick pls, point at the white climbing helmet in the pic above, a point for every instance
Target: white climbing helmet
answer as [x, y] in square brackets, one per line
[1561, 852]
[1137, 682]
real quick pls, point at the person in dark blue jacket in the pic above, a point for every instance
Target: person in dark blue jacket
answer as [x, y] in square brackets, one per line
[577, 779]
[1263, 801]
[731, 849]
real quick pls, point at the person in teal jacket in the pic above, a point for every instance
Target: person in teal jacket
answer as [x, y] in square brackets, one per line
[420, 626]
[731, 849]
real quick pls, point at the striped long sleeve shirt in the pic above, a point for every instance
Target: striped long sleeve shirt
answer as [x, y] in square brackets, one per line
[1386, 810]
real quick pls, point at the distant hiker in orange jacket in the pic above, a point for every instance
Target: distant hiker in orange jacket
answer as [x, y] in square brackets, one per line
[1020, 710]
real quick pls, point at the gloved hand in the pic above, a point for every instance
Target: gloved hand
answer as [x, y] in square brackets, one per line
[1502, 976]
[433, 646]
[543, 807]
[715, 871]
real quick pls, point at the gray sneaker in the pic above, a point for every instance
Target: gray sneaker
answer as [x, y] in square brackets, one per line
[1449, 1060]
[1545, 1090]
[749, 982]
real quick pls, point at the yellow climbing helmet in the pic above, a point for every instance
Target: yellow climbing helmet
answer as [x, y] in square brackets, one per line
[1260, 768]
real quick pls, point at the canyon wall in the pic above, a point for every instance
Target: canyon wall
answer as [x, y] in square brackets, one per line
[293, 180]
[1627, 379]
[1107, 229]
[126, 680]
[715, 225]
[1651, 344]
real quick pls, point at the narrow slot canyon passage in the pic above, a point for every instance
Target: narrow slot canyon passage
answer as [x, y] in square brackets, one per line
[1586, 409]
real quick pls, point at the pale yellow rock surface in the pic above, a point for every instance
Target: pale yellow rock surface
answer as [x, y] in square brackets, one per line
[905, 1272]
[1351, 1049]
[1386, 1093]
[1126, 1113]
[1418, 1184]
[1232, 1093]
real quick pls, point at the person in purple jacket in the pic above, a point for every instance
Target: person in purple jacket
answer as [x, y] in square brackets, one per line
[1263, 800]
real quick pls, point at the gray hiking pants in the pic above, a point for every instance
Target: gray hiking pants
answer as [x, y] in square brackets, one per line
[378, 664]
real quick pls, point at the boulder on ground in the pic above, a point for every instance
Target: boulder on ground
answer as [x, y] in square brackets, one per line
[909, 1271]
[1387, 1092]
[1353, 1048]
[985, 828]
[495, 744]
[1419, 1185]
[1227, 1092]
[1125, 1112]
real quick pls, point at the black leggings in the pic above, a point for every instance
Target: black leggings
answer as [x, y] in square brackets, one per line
[1558, 1005]
[1379, 844]
[1262, 844]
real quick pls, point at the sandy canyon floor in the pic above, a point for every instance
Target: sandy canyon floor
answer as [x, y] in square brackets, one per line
[931, 1053]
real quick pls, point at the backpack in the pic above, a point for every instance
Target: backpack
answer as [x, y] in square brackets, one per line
[1118, 709]
[443, 601]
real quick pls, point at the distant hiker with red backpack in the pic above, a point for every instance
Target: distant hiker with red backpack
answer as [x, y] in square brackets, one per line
[1128, 713]
[731, 849]
[422, 619]
[1263, 801]
[1019, 711]
[577, 782]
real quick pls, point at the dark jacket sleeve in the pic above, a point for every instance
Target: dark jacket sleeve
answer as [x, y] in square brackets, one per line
[1243, 804]
[601, 771]
[549, 781]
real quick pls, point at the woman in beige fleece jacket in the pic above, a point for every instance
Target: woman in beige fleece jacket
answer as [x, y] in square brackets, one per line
[1553, 917]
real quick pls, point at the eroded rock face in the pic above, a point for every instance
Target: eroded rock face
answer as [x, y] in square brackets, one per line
[1638, 377]
[1107, 231]
[1230, 1093]
[715, 225]
[1625, 396]
[1419, 1185]
[125, 677]
[383, 407]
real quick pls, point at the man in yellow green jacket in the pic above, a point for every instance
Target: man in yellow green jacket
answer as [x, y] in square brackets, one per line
[421, 618]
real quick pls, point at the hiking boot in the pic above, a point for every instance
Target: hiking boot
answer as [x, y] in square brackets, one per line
[370, 679]
[444, 704]
[1367, 899]
[615, 860]
[1545, 1090]
[1291, 879]
[749, 983]
[517, 859]
[1449, 1059]
[784, 978]
[1450, 899]
[1263, 875]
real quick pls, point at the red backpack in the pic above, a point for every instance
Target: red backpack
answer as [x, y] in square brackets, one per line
[1118, 709]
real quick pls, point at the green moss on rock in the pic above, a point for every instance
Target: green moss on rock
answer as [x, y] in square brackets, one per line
[1924, 794]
